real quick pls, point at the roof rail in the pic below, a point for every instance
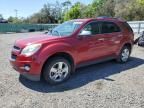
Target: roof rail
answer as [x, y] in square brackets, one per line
[104, 17]
[118, 18]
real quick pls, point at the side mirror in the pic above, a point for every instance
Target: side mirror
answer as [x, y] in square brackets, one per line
[84, 32]
[48, 32]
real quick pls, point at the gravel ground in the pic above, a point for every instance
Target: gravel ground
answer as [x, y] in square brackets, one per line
[105, 85]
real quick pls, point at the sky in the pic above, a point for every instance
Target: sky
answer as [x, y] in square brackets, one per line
[27, 7]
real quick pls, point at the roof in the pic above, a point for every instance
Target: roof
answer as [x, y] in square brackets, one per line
[99, 19]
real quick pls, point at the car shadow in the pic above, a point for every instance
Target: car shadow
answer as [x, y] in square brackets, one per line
[84, 76]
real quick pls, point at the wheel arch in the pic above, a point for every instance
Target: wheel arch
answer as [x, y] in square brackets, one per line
[128, 45]
[60, 54]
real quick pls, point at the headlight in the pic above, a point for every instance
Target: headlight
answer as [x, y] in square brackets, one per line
[31, 49]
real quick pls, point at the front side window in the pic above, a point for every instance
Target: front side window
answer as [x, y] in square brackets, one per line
[109, 27]
[65, 29]
[91, 28]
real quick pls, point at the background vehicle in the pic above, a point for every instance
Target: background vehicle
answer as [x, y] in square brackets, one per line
[3, 21]
[141, 40]
[54, 56]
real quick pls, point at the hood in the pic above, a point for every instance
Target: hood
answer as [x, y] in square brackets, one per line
[35, 39]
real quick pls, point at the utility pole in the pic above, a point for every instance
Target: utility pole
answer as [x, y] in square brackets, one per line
[16, 13]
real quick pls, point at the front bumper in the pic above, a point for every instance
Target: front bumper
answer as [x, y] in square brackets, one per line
[31, 77]
[32, 74]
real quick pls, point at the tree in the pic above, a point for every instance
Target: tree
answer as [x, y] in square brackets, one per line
[129, 10]
[108, 8]
[50, 13]
[15, 20]
[87, 11]
[98, 7]
[141, 1]
[54, 13]
[66, 4]
[74, 12]
[58, 11]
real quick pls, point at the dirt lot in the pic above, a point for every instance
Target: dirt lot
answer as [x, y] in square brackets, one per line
[105, 85]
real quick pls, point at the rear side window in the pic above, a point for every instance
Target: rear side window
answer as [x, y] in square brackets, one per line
[109, 27]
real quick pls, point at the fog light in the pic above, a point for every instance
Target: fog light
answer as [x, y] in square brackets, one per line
[26, 67]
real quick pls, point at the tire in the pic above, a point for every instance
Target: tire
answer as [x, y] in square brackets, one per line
[57, 70]
[124, 54]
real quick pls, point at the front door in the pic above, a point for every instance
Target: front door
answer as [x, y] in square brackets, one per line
[90, 45]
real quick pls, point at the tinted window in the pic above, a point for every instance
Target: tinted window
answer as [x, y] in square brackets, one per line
[93, 27]
[109, 27]
[125, 24]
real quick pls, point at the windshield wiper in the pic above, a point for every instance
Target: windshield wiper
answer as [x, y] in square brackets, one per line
[57, 32]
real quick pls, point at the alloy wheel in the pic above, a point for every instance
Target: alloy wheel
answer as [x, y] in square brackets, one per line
[59, 71]
[125, 54]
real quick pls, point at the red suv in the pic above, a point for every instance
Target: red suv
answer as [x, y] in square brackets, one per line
[76, 43]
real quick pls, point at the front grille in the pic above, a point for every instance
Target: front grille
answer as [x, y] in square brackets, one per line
[13, 56]
[16, 48]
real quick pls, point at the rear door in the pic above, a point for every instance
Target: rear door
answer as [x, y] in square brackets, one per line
[112, 35]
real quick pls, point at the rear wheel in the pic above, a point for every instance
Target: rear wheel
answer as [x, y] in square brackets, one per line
[124, 54]
[57, 70]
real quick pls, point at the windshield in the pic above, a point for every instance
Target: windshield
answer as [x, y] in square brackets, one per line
[65, 29]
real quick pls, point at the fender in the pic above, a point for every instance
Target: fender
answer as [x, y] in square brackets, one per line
[50, 49]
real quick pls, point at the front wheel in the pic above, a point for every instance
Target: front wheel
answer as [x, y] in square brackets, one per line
[57, 70]
[124, 54]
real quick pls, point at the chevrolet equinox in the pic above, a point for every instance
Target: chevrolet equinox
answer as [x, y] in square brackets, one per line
[76, 43]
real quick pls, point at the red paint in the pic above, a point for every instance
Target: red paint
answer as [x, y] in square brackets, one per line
[80, 49]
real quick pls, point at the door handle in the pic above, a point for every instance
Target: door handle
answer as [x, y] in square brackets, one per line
[120, 35]
[101, 39]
